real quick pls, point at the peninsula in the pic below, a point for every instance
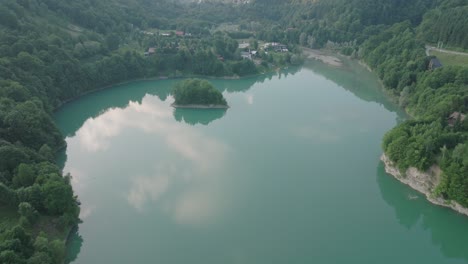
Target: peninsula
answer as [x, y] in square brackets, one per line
[196, 93]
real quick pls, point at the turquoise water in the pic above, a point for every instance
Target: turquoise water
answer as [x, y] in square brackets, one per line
[289, 174]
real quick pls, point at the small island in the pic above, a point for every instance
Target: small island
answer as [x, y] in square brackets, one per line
[196, 93]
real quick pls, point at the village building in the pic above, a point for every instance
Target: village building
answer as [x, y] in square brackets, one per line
[246, 55]
[151, 51]
[455, 117]
[278, 47]
[434, 64]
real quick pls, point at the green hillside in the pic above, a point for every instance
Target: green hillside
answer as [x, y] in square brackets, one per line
[52, 51]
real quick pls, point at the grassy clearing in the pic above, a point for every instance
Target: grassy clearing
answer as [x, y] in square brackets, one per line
[451, 59]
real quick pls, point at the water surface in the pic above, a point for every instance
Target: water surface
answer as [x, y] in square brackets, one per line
[289, 174]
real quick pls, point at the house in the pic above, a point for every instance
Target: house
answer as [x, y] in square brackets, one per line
[246, 55]
[454, 117]
[179, 33]
[434, 64]
[278, 47]
[165, 34]
[281, 48]
[270, 45]
[151, 51]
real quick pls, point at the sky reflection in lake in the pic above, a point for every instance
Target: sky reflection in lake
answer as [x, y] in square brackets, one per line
[196, 183]
[286, 175]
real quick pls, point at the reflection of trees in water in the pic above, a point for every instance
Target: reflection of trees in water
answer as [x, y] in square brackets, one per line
[244, 84]
[74, 243]
[198, 116]
[448, 229]
[120, 95]
[356, 79]
[206, 116]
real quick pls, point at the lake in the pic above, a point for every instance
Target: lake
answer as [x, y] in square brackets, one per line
[289, 174]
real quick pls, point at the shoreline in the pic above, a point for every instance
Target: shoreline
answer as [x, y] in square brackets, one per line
[200, 106]
[159, 78]
[363, 64]
[423, 182]
[320, 55]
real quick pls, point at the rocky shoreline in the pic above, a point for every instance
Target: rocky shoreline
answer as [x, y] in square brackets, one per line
[423, 182]
[322, 56]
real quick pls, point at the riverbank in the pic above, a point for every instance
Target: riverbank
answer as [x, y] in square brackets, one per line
[199, 106]
[423, 182]
[322, 56]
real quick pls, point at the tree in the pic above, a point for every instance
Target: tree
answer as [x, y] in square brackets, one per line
[25, 176]
[253, 43]
[8, 18]
[57, 251]
[19, 240]
[40, 258]
[58, 196]
[11, 156]
[10, 257]
[46, 152]
[26, 210]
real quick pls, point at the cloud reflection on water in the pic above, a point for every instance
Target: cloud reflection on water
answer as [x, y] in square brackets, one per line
[185, 181]
[147, 189]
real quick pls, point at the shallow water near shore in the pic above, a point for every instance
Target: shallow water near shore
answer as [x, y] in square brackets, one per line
[290, 173]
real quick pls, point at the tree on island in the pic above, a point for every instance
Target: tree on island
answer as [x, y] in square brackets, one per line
[197, 92]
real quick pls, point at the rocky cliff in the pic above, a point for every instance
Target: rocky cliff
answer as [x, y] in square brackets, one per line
[423, 182]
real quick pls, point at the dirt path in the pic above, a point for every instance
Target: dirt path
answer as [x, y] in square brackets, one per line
[429, 48]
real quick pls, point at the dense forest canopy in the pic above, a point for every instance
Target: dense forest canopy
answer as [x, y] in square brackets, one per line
[447, 24]
[52, 51]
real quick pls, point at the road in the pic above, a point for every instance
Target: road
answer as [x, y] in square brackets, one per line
[429, 48]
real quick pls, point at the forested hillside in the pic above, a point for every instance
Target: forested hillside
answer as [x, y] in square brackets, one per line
[448, 23]
[52, 51]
